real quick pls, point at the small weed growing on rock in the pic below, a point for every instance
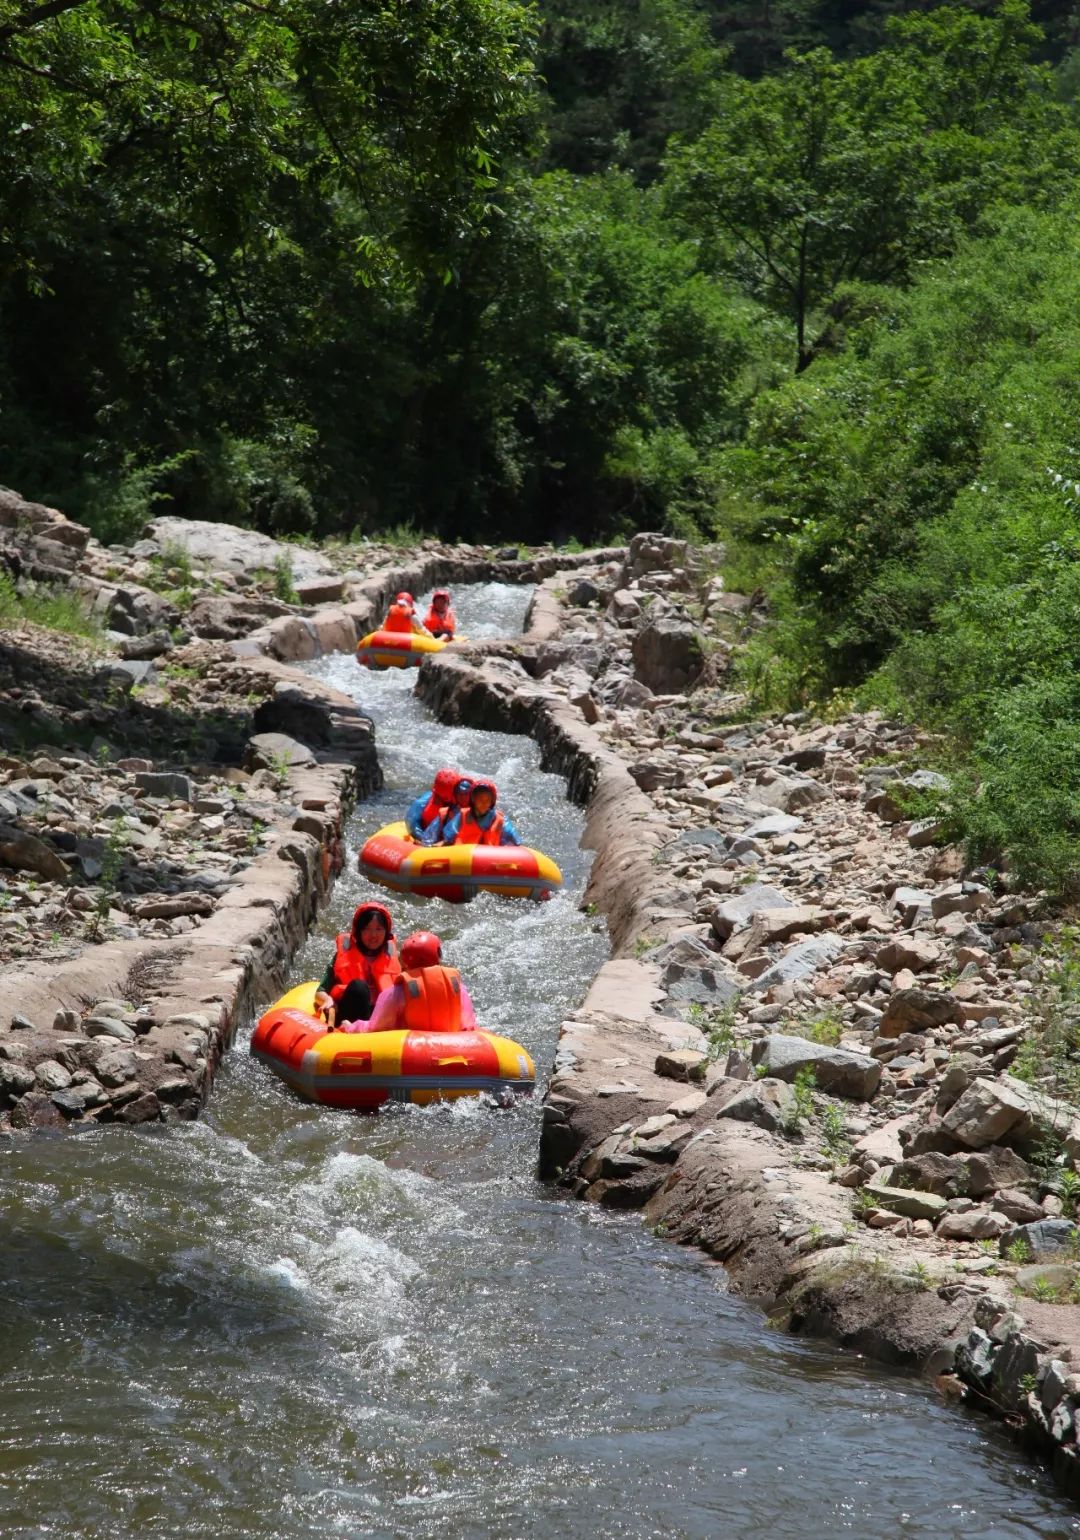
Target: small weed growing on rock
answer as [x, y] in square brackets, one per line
[1068, 1186]
[988, 1248]
[1050, 1053]
[1018, 1251]
[803, 1086]
[1029, 1384]
[833, 1134]
[825, 1029]
[284, 588]
[1044, 1290]
[112, 861]
[920, 1275]
[864, 1202]
[280, 765]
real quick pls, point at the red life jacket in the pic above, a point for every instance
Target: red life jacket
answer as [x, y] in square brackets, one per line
[397, 619]
[351, 965]
[471, 833]
[432, 999]
[434, 622]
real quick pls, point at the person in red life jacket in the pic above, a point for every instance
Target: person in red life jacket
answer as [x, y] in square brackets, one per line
[401, 616]
[364, 965]
[427, 997]
[481, 823]
[439, 619]
[427, 815]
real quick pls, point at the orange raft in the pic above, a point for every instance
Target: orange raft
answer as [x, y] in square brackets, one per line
[456, 872]
[364, 1070]
[396, 649]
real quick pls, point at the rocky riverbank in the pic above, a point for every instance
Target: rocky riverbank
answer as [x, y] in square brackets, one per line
[172, 792]
[801, 1056]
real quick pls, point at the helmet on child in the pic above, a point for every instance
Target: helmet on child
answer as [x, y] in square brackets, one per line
[445, 784]
[421, 950]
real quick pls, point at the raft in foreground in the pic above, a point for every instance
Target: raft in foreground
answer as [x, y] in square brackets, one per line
[364, 1070]
[456, 872]
[396, 649]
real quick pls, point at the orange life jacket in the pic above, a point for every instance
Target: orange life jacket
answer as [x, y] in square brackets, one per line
[351, 965]
[432, 999]
[434, 622]
[397, 619]
[471, 833]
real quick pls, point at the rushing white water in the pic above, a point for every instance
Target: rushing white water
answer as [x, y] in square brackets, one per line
[285, 1321]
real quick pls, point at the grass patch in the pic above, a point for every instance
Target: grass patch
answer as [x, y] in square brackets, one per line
[53, 608]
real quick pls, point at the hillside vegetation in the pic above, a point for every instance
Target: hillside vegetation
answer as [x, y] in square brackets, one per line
[797, 275]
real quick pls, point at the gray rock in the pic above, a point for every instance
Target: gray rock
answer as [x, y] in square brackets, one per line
[986, 1112]
[15, 1079]
[770, 1104]
[839, 1071]
[668, 654]
[697, 985]
[165, 783]
[51, 1076]
[772, 825]
[1045, 1238]
[268, 751]
[737, 911]
[908, 903]
[21, 1023]
[975, 1359]
[974, 1224]
[899, 1200]
[799, 961]
[790, 793]
[115, 1067]
[108, 1026]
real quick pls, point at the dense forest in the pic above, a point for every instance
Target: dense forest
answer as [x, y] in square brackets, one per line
[801, 274]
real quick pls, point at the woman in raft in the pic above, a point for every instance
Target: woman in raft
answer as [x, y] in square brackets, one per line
[364, 965]
[439, 619]
[480, 823]
[427, 816]
[426, 997]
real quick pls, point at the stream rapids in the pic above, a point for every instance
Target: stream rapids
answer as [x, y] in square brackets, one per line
[283, 1321]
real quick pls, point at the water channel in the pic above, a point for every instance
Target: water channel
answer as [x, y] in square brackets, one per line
[287, 1322]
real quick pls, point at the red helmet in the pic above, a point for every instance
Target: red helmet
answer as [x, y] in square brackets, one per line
[421, 950]
[445, 784]
[404, 598]
[440, 593]
[484, 785]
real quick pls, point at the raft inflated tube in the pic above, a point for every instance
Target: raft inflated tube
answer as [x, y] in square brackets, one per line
[456, 872]
[364, 1070]
[396, 649]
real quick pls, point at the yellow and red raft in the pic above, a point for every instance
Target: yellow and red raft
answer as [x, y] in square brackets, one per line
[396, 649]
[364, 1070]
[456, 872]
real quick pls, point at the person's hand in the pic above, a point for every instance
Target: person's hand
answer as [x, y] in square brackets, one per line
[324, 1006]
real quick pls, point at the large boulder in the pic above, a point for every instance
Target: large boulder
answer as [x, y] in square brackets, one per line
[987, 1112]
[668, 654]
[839, 1071]
[770, 1104]
[21, 851]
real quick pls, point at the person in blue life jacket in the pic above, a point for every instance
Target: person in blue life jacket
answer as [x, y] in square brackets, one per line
[427, 816]
[481, 823]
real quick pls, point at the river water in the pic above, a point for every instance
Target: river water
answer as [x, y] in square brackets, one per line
[286, 1322]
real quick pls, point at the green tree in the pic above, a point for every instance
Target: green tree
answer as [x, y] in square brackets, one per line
[832, 173]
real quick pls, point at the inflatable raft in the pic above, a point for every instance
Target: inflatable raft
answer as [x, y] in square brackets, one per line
[456, 872]
[396, 649]
[363, 1070]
